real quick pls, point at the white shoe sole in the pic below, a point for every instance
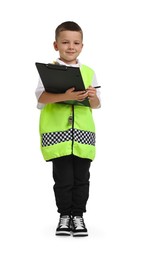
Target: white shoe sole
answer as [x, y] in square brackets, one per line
[62, 233]
[80, 234]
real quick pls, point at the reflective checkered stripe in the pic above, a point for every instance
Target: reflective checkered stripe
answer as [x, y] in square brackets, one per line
[56, 137]
[83, 137]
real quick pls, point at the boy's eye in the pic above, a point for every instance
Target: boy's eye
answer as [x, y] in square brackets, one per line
[76, 43]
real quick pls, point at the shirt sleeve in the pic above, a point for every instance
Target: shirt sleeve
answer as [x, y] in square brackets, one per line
[94, 84]
[39, 90]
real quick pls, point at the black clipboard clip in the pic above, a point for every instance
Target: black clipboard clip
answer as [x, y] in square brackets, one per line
[56, 66]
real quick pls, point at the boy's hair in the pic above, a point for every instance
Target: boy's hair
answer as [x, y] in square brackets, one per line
[68, 26]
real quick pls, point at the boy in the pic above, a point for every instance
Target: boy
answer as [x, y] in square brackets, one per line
[68, 133]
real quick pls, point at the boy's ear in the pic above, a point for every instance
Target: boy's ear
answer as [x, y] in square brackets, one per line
[55, 46]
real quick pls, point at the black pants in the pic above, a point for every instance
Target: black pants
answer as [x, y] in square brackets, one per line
[71, 175]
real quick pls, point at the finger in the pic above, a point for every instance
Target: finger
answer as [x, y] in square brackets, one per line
[72, 89]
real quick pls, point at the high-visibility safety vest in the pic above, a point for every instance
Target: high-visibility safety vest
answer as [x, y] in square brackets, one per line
[67, 129]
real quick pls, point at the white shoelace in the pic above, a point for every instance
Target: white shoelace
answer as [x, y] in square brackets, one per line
[78, 222]
[64, 221]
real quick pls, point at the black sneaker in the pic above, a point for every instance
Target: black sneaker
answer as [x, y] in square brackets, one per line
[78, 227]
[64, 228]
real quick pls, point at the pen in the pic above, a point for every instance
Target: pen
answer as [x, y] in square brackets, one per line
[94, 87]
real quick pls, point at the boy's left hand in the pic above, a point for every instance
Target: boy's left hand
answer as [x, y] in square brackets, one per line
[91, 92]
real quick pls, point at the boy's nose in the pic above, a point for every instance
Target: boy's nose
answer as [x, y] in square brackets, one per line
[71, 46]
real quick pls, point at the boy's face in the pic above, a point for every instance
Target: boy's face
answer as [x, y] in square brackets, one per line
[69, 44]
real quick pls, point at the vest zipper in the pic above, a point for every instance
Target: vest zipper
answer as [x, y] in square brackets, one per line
[72, 128]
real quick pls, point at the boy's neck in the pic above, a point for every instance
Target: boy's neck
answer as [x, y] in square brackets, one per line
[68, 63]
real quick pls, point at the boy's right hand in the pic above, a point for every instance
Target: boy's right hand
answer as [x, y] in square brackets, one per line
[76, 95]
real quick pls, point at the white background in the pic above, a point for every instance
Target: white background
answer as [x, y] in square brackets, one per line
[117, 47]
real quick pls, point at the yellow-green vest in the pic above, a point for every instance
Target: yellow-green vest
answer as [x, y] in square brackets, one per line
[67, 129]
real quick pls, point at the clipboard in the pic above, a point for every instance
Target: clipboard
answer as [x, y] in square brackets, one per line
[59, 78]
